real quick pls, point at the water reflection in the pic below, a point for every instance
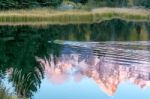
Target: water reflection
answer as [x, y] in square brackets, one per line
[110, 52]
[107, 63]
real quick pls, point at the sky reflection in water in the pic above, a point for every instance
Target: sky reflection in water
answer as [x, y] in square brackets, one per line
[107, 70]
[106, 60]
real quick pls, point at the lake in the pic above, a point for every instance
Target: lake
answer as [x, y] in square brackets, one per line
[108, 60]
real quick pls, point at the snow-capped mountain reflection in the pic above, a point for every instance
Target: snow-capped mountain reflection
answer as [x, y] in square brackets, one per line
[107, 63]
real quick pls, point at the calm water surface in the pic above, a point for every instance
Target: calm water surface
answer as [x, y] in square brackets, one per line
[109, 60]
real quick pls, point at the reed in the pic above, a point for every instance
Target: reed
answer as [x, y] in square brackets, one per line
[49, 16]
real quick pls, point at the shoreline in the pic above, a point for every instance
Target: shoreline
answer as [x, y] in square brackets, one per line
[46, 16]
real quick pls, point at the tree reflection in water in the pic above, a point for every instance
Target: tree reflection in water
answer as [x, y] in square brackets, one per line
[22, 46]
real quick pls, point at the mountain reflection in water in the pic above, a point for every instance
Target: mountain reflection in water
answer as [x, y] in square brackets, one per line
[104, 54]
[107, 63]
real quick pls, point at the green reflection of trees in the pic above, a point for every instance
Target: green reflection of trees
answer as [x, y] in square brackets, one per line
[117, 30]
[114, 30]
[20, 45]
[18, 54]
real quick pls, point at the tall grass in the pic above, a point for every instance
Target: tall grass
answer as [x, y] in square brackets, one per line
[48, 16]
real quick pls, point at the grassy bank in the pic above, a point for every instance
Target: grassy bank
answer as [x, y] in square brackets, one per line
[48, 16]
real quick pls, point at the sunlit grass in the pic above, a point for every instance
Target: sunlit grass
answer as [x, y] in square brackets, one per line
[49, 16]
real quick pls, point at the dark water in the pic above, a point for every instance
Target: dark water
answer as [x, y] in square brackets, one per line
[109, 60]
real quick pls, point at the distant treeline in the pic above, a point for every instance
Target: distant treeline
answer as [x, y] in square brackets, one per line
[119, 3]
[8, 4]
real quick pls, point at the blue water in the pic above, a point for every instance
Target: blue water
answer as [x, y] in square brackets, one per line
[88, 89]
[132, 78]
